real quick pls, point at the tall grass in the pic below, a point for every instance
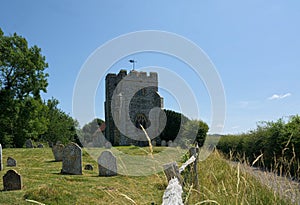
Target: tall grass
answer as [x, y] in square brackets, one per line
[225, 183]
[219, 183]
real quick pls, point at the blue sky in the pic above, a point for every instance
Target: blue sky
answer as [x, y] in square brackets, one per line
[254, 46]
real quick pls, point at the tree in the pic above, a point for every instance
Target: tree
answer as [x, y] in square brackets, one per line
[21, 68]
[22, 77]
[195, 131]
[61, 126]
[32, 121]
[174, 122]
[93, 132]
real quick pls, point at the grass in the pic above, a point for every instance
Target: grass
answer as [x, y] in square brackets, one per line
[220, 183]
[43, 183]
[225, 183]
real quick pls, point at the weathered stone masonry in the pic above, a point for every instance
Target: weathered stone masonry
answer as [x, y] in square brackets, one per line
[129, 100]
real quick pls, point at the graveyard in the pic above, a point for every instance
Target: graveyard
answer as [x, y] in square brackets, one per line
[43, 182]
[149, 103]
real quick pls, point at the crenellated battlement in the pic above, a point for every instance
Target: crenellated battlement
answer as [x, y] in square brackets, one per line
[139, 75]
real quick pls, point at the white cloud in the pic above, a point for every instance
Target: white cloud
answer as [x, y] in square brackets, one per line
[276, 96]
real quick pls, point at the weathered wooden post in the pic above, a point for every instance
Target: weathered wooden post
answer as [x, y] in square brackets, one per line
[194, 151]
[171, 170]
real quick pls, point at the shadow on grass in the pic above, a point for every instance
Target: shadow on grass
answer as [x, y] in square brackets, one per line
[51, 161]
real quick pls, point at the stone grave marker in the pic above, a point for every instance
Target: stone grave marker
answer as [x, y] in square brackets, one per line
[107, 145]
[57, 151]
[72, 159]
[107, 164]
[163, 143]
[153, 142]
[12, 181]
[50, 144]
[40, 146]
[88, 167]
[11, 162]
[1, 164]
[29, 143]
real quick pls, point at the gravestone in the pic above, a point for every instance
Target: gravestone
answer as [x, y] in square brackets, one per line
[58, 152]
[12, 181]
[1, 164]
[153, 142]
[72, 159]
[163, 143]
[50, 144]
[40, 146]
[89, 167]
[107, 145]
[29, 143]
[11, 162]
[107, 164]
[170, 143]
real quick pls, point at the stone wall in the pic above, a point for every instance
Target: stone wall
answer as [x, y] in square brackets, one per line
[129, 100]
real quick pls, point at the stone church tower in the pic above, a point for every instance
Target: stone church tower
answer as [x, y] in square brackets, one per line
[132, 100]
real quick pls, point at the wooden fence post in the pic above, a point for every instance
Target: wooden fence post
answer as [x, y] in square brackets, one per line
[194, 151]
[171, 170]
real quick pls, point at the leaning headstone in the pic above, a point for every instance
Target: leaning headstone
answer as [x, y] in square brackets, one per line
[1, 164]
[40, 146]
[58, 152]
[12, 181]
[72, 159]
[163, 143]
[11, 162]
[88, 167]
[107, 164]
[29, 143]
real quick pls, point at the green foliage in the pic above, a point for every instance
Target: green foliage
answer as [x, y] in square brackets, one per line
[278, 141]
[22, 77]
[61, 126]
[21, 67]
[32, 121]
[89, 132]
[188, 131]
[23, 115]
[175, 120]
[195, 130]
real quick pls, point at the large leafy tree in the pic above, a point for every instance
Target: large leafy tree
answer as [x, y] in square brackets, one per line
[61, 127]
[22, 68]
[22, 78]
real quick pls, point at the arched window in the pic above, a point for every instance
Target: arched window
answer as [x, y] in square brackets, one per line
[140, 119]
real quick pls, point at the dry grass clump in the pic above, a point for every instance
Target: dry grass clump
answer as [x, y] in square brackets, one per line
[222, 182]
